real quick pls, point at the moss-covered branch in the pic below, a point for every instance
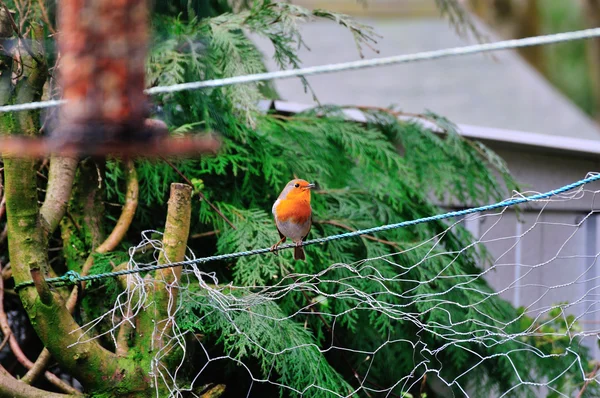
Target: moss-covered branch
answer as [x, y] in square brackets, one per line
[34, 369]
[156, 320]
[60, 183]
[94, 366]
[13, 388]
[30, 89]
[89, 362]
[177, 228]
[82, 231]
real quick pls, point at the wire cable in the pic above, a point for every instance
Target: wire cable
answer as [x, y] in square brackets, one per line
[346, 66]
[72, 277]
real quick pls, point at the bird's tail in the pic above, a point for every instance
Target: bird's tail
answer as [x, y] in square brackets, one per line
[299, 253]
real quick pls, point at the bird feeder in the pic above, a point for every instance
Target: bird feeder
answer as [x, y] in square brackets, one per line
[103, 46]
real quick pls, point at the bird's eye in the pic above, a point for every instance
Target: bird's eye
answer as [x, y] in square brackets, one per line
[296, 185]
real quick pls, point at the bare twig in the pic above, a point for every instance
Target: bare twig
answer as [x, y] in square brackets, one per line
[44, 163]
[45, 16]
[2, 205]
[6, 337]
[4, 234]
[6, 272]
[20, 35]
[204, 234]
[589, 379]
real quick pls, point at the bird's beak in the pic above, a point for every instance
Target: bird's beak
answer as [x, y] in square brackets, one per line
[310, 186]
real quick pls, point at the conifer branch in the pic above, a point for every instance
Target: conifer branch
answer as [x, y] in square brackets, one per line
[348, 228]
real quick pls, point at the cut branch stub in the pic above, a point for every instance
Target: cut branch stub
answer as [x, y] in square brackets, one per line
[156, 320]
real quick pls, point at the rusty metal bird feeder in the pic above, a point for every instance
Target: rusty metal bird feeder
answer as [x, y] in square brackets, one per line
[103, 46]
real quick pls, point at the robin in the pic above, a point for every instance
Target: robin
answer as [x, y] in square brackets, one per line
[293, 215]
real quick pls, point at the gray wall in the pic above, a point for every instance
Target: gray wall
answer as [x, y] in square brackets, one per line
[547, 255]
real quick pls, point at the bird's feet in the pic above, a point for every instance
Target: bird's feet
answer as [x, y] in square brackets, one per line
[275, 247]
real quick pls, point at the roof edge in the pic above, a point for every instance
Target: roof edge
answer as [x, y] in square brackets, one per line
[548, 143]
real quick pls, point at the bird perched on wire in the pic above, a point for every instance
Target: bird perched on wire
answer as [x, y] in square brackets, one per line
[293, 215]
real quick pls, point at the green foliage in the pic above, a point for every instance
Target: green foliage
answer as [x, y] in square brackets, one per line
[293, 355]
[552, 335]
[431, 299]
[567, 64]
[100, 296]
[411, 297]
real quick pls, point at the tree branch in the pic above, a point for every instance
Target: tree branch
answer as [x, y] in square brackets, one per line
[37, 57]
[158, 317]
[589, 377]
[6, 61]
[214, 392]
[3, 201]
[81, 355]
[13, 388]
[88, 361]
[20, 355]
[1, 196]
[124, 333]
[45, 17]
[204, 234]
[177, 229]
[60, 183]
[5, 341]
[127, 213]
[38, 368]
[109, 244]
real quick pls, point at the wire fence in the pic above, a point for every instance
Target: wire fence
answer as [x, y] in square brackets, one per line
[461, 318]
[448, 322]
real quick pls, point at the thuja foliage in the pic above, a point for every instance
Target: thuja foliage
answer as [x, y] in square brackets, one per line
[368, 174]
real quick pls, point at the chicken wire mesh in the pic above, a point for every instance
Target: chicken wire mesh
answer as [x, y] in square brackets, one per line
[544, 262]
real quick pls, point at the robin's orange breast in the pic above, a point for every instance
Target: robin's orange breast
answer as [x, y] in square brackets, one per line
[297, 211]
